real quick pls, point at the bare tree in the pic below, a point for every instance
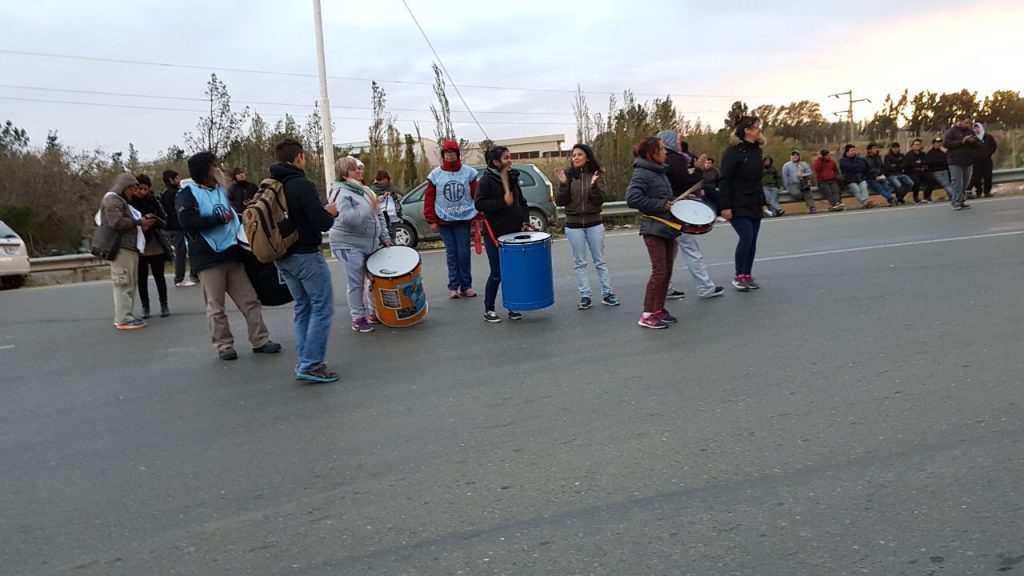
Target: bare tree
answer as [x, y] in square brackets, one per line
[216, 132]
[442, 112]
[584, 121]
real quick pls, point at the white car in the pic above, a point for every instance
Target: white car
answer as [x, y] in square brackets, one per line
[14, 265]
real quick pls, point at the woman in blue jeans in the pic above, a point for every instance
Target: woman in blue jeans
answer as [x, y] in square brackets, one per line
[448, 207]
[581, 192]
[740, 196]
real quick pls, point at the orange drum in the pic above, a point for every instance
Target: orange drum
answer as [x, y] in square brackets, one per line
[396, 286]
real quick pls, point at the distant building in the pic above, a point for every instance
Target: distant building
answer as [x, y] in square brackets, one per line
[546, 146]
[433, 151]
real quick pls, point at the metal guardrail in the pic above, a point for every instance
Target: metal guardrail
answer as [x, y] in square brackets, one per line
[84, 261]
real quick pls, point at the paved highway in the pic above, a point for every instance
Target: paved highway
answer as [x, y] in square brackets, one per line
[860, 414]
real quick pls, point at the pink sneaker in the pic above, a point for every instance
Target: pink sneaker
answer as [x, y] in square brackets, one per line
[372, 319]
[652, 321]
[361, 325]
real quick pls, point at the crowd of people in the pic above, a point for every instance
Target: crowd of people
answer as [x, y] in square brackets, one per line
[197, 222]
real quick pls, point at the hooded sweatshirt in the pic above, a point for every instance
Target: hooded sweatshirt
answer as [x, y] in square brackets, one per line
[115, 213]
[457, 184]
[677, 165]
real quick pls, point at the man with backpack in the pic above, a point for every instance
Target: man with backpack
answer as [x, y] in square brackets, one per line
[205, 214]
[303, 265]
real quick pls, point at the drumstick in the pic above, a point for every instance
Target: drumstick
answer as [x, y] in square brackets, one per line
[690, 190]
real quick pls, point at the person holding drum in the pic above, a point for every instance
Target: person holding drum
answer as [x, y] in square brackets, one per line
[359, 230]
[449, 209]
[503, 205]
[650, 192]
[741, 197]
[581, 191]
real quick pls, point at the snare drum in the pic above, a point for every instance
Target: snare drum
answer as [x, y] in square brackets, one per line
[697, 216]
[396, 286]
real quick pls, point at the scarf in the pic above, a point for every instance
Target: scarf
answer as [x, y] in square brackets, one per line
[980, 132]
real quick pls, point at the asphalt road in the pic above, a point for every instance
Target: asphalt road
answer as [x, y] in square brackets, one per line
[860, 414]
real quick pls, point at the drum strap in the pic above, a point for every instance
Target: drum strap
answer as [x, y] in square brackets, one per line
[669, 223]
[490, 232]
[478, 245]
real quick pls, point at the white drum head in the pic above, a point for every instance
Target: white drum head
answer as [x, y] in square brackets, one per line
[392, 261]
[524, 238]
[693, 212]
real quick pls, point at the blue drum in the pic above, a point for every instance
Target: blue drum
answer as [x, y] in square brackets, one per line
[527, 280]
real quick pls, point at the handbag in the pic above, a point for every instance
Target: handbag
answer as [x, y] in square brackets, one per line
[106, 243]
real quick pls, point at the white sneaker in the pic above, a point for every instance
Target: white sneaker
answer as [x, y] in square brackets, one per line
[187, 283]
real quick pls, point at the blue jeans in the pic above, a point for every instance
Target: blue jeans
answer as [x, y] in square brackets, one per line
[882, 188]
[580, 240]
[456, 250]
[494, 280]
[902, 184]
[309, 281]
[746, 248]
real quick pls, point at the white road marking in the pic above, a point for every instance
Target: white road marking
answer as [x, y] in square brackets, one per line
[7, 347]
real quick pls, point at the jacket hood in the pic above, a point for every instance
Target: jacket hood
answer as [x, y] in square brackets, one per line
[279, 171]
[648, 165]
[669, 139]
[123, 181]
[451, 146]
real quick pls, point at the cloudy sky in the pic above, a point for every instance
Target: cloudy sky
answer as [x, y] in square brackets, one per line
[109, 72]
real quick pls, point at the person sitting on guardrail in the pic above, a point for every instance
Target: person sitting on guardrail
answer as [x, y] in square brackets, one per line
[894, 171]
[938, 166]
[358, 231]
[682, 176]
[581, 192]
[915, 166]
[875, 177]
[742, 200]
[855, 171]
[650, 192]
[448, 206]
[826, 172]
[771, 184]
[205, 213]
[796, 176]
[500, 199]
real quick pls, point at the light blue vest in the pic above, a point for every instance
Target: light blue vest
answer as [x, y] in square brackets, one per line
[215, 203]
[453, 201]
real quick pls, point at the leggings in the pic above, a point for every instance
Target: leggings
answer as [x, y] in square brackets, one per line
[663, 255]
[746, 248]
[155, 264]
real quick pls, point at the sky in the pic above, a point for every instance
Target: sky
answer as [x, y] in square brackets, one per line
[136, 70]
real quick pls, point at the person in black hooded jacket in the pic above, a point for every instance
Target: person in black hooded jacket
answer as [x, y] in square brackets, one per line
[741, 197]
[503, 205]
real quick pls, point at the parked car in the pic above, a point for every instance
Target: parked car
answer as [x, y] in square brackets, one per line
[14, 266]
[536, 188]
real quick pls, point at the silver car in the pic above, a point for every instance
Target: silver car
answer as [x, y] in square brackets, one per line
[14, 265]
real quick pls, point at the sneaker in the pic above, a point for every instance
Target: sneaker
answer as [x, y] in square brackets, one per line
[720, 220]
[372, 319]
[453, 294]
[133, 324]
[164, 311]
[890, 203]
[675, 295]
[268, 348]
[468, 293]
[584, 303]
[926, 201]
[361, 325]
[957, 207]
[228, 354]
[515, 315]
[965, 205]
[185, 283]
[740, 283]
[813, 211]
[145, 311]
[780, 212]
[652, 321]
[752, 283]
[490, 316]
[610, 300]
[837, 208]
[666, 317]
[320, 375]
[718, 291]
[768, 213]
[867, 204]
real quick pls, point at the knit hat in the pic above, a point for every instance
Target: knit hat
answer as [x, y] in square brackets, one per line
[451, 146]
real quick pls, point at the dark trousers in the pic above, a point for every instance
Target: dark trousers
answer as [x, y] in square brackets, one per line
[981, 177]
[662, 253]
[830, 190]
[494, 279]
[178, 242]
[153, 264]
[747, 229]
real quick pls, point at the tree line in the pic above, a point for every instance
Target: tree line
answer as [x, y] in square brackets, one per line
[49, 194]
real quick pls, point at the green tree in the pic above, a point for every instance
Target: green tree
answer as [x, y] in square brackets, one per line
[13, 139]
[410, 177]
[737, 110]
[1003, 107]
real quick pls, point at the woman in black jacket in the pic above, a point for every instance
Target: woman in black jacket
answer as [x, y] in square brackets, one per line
[500, 199]
[158, 248]
[740, 195]
[650, 192]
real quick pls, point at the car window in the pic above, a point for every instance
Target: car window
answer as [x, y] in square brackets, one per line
[416, 195]
[6, 232]
[526, 179]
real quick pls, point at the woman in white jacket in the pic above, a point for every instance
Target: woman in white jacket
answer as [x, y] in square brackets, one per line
[359, 230]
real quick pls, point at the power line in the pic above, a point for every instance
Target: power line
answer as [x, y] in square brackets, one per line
[356, 79]
[441, 64]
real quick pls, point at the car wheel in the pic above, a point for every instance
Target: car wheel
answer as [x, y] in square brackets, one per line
[538, 220]
[405, 235]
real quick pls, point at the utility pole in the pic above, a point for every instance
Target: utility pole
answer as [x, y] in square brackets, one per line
[325, 103]
[849, 109]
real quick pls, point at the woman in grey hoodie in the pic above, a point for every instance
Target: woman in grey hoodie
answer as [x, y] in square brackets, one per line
[358, 231]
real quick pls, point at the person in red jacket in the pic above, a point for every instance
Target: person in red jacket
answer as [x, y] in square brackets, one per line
[448, 206]
[826, 171]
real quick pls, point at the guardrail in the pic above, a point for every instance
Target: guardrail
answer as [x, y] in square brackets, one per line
[611, 209]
